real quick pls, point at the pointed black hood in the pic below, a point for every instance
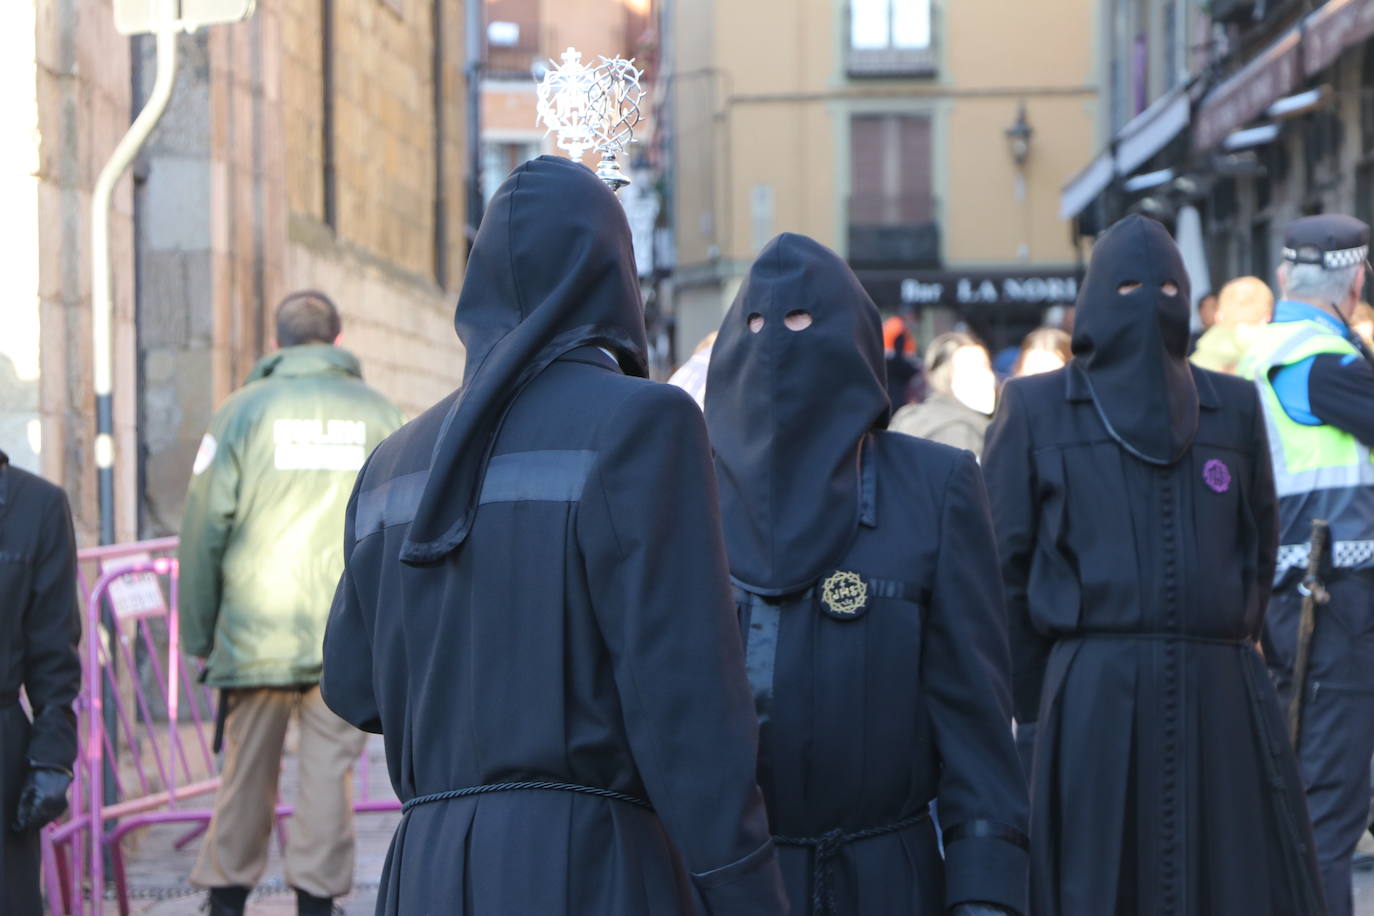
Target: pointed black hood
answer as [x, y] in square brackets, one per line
[552, 269]
[1132, 346]
[787, 411]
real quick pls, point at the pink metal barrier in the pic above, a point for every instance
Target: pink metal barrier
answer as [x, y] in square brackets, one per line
[145, 751]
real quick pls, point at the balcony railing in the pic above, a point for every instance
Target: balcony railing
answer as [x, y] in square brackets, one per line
[893, 230]
[892, 62]
[504, 62]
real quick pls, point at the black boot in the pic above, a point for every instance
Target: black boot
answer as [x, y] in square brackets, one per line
[308, 904]
[228, 901]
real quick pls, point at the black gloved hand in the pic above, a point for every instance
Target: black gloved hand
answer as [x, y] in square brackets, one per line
[43, 798]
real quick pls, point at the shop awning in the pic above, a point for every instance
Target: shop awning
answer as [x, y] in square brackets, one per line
[1338, 25]
[1246, 94]
[1303, 52]
[1137, 143]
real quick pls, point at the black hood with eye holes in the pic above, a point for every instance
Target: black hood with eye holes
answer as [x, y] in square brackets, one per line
[787, 412]
[1133, 347]
[552, 269]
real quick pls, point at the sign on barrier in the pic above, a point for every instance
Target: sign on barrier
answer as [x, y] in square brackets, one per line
[160, 764]
[139, 594]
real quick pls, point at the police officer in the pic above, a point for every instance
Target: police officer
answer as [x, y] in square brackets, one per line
[260, 556]
[1317, 387]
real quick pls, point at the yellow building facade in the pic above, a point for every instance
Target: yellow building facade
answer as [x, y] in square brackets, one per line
[925, 140]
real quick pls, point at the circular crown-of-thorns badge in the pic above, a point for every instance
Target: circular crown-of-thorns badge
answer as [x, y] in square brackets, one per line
[844, 595]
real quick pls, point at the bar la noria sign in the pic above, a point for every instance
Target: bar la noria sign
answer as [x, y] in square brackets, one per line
[987, 289]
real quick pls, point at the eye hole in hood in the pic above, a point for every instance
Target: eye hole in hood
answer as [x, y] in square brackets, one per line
[1130, 340]
[797, 381]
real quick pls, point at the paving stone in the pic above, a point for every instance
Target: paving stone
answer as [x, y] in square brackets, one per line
[157, 869]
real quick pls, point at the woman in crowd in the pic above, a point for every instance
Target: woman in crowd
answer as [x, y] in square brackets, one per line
[1244, 306]
[1043, 350]
[963, 393]
[866, 581]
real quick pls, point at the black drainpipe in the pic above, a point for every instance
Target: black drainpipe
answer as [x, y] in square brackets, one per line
[331, 201]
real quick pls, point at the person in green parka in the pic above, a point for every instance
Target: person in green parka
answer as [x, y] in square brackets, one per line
[260, 556]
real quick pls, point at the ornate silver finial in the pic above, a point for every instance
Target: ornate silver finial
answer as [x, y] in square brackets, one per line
[616, 96]
[593, 108]
[564, 104]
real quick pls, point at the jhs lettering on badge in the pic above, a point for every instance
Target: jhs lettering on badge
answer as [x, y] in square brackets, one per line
[319, 445]
[844, 595]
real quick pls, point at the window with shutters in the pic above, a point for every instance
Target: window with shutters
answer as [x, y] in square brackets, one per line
[892, 212]
[892, 38]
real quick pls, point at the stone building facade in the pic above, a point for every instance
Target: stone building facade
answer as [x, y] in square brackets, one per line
[318, 144]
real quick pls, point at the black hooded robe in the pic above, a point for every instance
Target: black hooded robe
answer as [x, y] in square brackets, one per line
[557, 610]
[866, 581]
[40, 627]
[1136, 521]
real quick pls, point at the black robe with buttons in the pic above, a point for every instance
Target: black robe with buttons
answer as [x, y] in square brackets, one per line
[866, 721]
[40, 628]
[1163, 782]
[866, 580]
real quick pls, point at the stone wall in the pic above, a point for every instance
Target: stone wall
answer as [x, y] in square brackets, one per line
[395, 322]
[81, 73]
[380, 261]
[233, 215]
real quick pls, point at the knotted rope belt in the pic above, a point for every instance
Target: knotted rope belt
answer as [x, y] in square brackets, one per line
[827, 847]
[1127, 636]
[524, 787]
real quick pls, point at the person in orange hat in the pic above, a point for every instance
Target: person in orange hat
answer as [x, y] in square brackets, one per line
[899, 350]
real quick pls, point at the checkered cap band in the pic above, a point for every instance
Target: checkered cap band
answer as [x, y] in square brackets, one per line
[1346, 555]
[1331, 260]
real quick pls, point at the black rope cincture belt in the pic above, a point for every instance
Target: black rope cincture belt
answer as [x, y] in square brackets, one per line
[525, 787]
[828, 845]
[1243, 642]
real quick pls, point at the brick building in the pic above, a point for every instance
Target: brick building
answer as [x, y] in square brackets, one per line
[319, 144]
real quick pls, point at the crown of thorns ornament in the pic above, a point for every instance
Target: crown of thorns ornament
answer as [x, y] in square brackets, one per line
[593, 108]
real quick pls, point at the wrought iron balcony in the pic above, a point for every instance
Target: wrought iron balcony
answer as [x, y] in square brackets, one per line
[512, 62]
[892, 62]
[893, 230]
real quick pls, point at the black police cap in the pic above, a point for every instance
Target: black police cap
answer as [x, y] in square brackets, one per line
[1331, 240]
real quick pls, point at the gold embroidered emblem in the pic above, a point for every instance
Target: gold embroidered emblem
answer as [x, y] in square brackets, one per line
[844, 594]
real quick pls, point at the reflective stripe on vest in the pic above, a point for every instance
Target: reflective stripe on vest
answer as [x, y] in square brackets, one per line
[1319, 471]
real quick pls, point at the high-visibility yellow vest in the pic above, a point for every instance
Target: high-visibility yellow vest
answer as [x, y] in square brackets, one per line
[1319, 471]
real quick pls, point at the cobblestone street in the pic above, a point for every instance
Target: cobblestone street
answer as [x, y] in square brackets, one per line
[158, 870]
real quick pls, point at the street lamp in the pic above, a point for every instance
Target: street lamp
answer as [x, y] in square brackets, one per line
[1019, 138]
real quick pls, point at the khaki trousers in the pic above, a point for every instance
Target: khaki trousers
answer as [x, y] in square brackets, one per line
[320, 841]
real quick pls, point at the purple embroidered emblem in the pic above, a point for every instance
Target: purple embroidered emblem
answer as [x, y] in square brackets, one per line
[1217, 476]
